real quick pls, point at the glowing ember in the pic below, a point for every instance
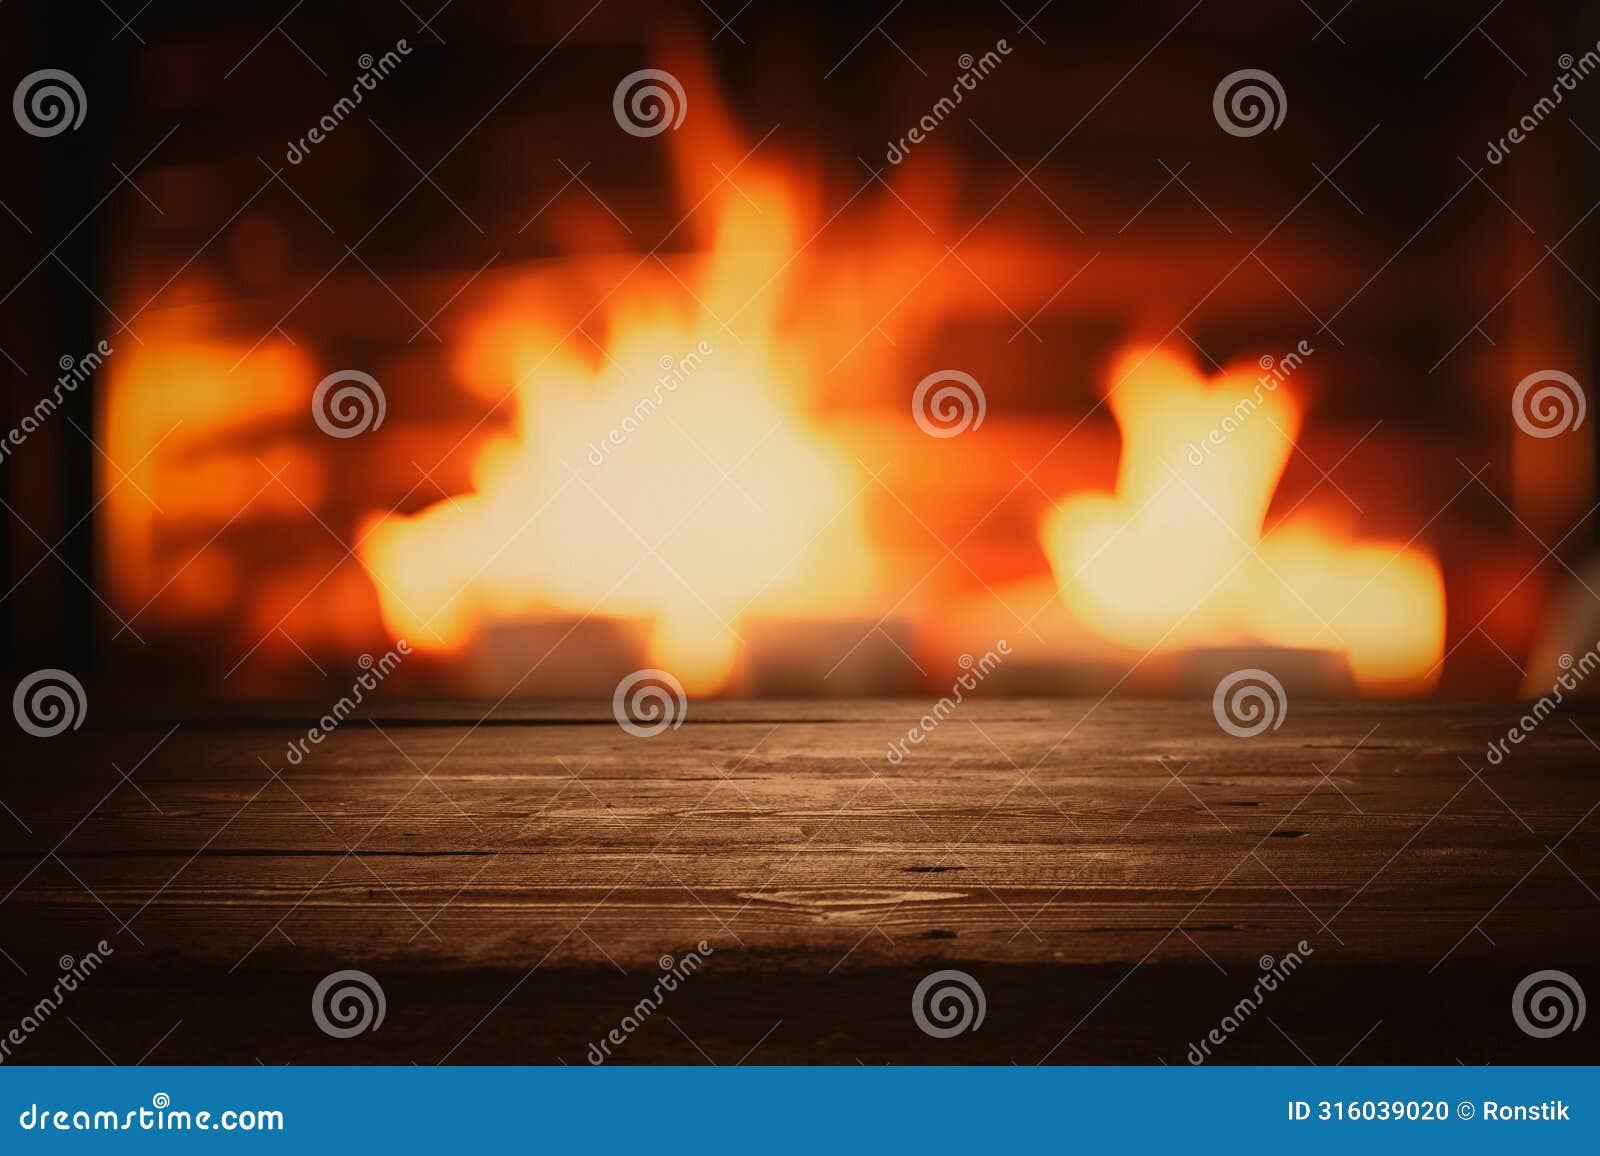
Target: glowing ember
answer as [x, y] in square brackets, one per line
[1177, 557]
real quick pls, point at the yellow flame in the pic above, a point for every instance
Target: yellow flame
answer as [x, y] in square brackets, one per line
[675, 477]
[1177, 556]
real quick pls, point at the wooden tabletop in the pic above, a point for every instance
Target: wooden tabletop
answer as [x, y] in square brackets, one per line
[1113, 877]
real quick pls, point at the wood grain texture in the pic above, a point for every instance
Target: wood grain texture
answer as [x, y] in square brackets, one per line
[1111, 874]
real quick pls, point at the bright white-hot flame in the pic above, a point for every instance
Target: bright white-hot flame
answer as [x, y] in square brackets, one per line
[668, 461]
[687, 496]
[1177, 558]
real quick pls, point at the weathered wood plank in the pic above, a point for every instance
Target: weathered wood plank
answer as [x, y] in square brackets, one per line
[1041, 843]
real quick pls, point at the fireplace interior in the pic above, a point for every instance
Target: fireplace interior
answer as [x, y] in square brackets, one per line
[648, 400]
[501, 495]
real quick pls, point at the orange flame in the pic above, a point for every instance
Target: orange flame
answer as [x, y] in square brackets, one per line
[674, 477]
[667, 463]
[1177, 556]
